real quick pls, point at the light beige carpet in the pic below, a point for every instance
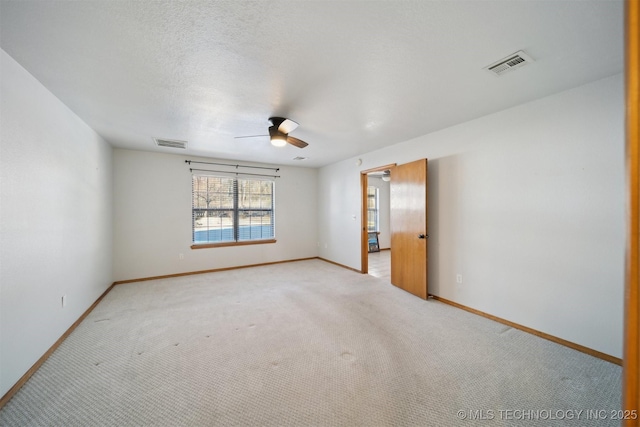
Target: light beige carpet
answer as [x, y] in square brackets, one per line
[303, 343]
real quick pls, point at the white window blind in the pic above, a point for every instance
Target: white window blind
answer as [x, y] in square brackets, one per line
[373, 209]
[228, 209]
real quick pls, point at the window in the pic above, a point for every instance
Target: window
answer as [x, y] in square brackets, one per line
[232, 210]
[373, 222]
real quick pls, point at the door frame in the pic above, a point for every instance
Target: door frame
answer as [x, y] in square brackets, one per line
[364, 244]
[631, 356]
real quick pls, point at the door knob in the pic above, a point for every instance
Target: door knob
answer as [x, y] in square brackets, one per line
[421, 236]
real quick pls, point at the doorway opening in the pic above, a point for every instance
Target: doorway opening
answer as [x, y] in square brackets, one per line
[376, 235]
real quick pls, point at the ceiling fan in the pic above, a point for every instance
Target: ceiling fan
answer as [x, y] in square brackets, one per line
[279, 133]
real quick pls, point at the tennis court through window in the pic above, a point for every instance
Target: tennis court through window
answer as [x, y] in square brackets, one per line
[228, 210]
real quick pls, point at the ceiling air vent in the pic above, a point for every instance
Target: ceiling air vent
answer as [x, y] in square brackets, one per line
[511, 62]
[300, 158]
[171, 143]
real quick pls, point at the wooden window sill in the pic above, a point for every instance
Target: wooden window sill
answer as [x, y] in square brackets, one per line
[225, 244]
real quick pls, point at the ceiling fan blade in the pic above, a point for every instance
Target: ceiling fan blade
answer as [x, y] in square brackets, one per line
[283, 125]
[287, 126]
[249, 136]
[296, 142]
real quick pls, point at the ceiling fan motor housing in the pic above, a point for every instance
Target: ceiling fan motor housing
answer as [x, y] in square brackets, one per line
[274, 132]
[279, 139]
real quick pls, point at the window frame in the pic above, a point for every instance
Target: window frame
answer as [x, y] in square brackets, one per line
[236, 211]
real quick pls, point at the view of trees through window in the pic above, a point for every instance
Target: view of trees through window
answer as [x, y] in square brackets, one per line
[232, 209]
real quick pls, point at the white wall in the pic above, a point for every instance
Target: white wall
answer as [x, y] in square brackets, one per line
[384, 207]
[153, 218]
[527, 204]
[55, 219]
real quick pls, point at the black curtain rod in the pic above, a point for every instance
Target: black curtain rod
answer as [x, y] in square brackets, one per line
[237, 173]
[227, 164]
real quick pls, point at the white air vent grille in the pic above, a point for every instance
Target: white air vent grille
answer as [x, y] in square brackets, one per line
[171, 143]
[511, 62]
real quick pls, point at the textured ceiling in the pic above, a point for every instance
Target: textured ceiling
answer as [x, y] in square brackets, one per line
[356, 75]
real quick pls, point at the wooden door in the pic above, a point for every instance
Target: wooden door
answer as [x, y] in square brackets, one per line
[409, 227]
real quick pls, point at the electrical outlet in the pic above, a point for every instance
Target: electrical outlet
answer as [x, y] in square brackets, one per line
[459, 278]
[181, 256]
[326, 246]
[64, 301]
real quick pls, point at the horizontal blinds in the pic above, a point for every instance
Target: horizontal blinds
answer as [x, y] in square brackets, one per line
[234, 174]
[255, 209]
[213, 204]
[372, 209]
[226, 209]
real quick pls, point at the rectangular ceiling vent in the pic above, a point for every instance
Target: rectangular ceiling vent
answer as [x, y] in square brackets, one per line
[511, 62]
[171, 143]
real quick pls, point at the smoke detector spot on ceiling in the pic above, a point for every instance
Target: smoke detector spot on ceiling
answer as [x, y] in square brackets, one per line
[511, 62]
[170, 143]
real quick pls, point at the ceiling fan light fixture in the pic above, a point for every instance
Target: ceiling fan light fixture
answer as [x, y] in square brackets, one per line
[278, 141]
